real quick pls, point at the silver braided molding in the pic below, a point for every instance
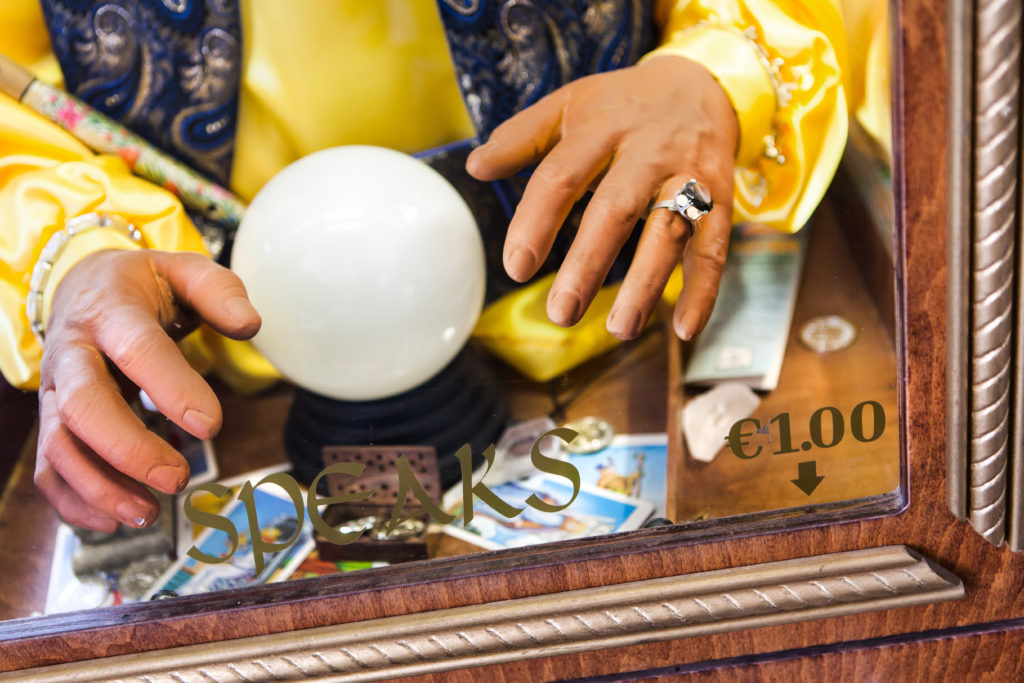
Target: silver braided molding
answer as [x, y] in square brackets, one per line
[997, 117]
[541, 626]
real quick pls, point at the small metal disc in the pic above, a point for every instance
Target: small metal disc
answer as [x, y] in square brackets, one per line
[138, 576]
[827, 333]
[594, 434]
[164, 595]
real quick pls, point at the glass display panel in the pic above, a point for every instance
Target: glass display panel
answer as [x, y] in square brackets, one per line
[783, 411]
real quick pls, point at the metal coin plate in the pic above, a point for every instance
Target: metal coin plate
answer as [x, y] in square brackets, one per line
[594, 434]
[827, 333]
[138, 576]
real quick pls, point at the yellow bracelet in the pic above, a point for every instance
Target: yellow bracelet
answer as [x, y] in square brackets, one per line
[52, 251]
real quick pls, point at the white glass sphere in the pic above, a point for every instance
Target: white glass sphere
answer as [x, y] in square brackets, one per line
[367, 268]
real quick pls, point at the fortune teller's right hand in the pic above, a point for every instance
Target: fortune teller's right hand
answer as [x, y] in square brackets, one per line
[113, 323]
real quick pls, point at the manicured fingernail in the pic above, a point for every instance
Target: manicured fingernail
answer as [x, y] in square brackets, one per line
[239, 309]
[167, 478]
[565, 309]
[625, 322]
[688, 326]
[198, 424]
[476, 161]
[133, 513]
[520, 263]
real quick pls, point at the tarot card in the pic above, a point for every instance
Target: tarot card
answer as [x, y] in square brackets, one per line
[197, 452]
[631, 465]
[594, 512]
[185, 533]
[278, 522]
[291, 561]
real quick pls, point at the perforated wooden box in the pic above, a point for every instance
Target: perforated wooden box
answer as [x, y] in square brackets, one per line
[380, 475]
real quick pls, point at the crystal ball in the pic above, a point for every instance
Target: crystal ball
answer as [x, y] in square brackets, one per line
[367, 268]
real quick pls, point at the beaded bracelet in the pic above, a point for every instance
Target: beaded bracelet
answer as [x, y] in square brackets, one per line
[773, 69]
[783, 89]
[54, 248]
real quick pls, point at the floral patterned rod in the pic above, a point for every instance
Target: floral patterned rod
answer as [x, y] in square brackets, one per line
[106, 136]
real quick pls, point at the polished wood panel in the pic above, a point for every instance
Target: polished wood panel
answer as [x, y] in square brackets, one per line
[991, 652]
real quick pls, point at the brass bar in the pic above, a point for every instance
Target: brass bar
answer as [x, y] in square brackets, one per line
[961, 128]
[1016, 511]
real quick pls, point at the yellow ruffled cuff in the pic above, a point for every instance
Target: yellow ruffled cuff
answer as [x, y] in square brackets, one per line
[801, 48]
[736, 65]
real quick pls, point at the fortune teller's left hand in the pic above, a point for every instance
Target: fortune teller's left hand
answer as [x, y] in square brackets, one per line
[633, 136]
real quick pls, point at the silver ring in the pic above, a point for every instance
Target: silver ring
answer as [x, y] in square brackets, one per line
[692, 201]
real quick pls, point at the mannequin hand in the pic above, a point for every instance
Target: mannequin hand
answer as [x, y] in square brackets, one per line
[117, 310]
[635, 134]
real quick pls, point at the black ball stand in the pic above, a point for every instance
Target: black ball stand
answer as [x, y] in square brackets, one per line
[463, 403]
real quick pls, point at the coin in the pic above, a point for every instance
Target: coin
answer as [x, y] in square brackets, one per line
[138, 576]
[593, 435]
[827, 333]
[164, 595]
[360, 525]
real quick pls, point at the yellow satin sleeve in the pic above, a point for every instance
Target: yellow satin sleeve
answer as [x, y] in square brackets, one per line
[46, 178]
[782, 63]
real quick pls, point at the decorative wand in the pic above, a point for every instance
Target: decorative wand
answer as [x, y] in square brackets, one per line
[105, 136]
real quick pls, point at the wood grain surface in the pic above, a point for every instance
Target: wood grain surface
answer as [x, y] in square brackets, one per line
[994, 578]
[865, 371]
[990, 652]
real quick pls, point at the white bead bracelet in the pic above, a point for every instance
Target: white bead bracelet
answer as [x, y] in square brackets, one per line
[54, 248]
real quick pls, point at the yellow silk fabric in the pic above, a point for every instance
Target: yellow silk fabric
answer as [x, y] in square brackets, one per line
[867, 28]
[46, 178]
[317, 74]
[24, 39]
[516, 328]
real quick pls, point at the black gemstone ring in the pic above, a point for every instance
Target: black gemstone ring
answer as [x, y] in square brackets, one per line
[692, 201]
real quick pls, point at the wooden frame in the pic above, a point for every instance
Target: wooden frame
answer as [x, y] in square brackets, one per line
[231, 629]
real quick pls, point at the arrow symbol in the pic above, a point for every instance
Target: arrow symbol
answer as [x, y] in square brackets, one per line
[807, 477]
